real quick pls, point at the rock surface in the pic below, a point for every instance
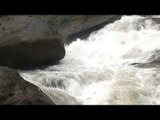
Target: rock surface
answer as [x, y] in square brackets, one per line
[81, 26]
[152, 60]
[14, 90]
[29, 41]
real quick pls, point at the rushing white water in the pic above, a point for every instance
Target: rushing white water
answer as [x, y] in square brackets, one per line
[98, 70]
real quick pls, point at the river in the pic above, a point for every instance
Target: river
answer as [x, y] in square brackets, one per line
[98, 70]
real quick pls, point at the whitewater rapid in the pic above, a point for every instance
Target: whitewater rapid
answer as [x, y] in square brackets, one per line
[98, 70]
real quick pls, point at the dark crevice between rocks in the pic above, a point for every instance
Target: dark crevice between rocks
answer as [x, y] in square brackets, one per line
[43, 65]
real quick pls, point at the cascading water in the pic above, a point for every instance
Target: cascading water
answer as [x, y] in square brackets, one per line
[98, 70]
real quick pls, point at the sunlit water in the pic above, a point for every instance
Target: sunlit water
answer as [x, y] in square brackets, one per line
[98, 71]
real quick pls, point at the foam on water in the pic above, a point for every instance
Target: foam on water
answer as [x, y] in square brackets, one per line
[97, 70]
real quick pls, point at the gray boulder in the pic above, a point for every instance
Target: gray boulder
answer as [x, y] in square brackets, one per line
[14, 90]
[29, 41]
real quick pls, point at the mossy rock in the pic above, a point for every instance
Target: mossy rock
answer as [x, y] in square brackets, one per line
[61, 19]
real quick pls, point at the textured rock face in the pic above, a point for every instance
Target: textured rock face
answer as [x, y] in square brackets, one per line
[81, 26]
[14, 90]
[29, 41]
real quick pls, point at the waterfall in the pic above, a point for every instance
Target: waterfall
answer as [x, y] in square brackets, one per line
[98, 70]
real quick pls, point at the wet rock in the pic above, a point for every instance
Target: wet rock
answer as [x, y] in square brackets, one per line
[27, 42]
[151, 60]
[72, 27]
[14, 90]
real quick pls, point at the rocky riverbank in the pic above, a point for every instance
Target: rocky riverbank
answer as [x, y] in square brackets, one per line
[14, 90]
[29, 42]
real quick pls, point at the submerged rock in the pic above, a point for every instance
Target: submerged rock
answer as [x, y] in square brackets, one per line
[14, 90]
[151, 60]
[29, 41]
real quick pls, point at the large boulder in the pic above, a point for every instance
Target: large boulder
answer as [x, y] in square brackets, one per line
[80, 26]
[29, 41]
[14, 90]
